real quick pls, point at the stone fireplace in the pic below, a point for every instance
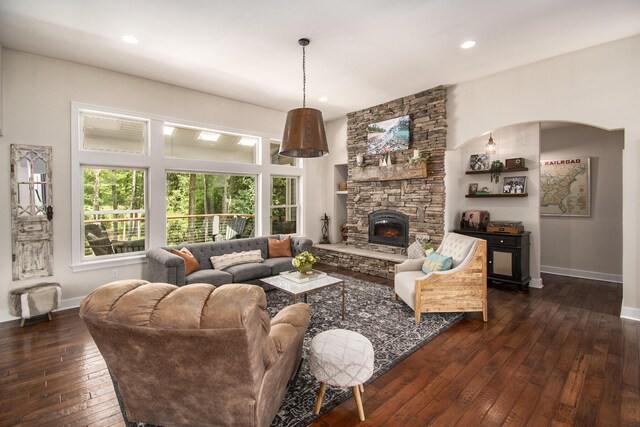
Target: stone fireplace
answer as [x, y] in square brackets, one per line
[377, 241]
[388, 227]
[419, 201]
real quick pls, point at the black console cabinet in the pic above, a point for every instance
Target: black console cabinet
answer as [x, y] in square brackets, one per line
[507, 257]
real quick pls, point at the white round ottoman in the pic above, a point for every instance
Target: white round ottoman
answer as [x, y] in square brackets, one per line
[341, 358]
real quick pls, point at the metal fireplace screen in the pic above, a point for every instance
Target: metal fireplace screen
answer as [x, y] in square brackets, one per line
[389, 228]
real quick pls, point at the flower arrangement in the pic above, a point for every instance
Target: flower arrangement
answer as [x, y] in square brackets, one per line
[304, 261]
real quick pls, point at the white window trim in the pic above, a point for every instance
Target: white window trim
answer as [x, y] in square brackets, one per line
[288, 205]
[156, 165]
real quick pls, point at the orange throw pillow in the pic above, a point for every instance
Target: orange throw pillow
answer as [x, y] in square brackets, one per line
[280, 248]
[190, 262]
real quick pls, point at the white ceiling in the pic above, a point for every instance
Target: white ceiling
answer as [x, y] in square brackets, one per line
[362, 52]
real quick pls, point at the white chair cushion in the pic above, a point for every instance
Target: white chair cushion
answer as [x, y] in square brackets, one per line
[456, 246]
[341, 358]
[405, 286]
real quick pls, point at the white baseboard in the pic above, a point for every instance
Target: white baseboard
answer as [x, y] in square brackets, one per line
[536, 283]
[630, 313]
[583, 274]
[64, 305]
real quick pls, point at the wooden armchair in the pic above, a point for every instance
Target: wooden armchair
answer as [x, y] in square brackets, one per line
[461, 289]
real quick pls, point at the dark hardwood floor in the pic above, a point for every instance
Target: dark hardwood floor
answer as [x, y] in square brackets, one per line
[556, 356]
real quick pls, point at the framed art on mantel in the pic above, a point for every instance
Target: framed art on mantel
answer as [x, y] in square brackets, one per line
[565, 187]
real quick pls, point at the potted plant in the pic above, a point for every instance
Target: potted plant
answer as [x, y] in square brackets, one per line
[304, 262]
[496, 169]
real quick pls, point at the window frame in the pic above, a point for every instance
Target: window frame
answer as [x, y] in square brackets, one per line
[145, 210]
[287, 205]
[154, 162]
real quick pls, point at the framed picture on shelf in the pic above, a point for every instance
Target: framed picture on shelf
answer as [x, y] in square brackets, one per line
[514, 185]
[473, 188]
[479, 162]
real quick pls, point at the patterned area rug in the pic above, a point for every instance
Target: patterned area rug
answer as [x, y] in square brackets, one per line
[371, 311]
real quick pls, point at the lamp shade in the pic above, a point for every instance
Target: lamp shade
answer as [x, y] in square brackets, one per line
[304, 134]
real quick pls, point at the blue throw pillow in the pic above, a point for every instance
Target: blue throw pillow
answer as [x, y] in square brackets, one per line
[436, 262]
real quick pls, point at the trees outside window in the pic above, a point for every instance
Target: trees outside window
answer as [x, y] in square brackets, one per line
[114, 211]
[200, 207]
[284, 205]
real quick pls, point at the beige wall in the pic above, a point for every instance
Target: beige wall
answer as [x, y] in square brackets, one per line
[577, 246]
[511, 141]
[598, 86]
[37, 97]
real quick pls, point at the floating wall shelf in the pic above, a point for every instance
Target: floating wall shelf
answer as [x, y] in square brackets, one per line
[484, 196]
[503, 171]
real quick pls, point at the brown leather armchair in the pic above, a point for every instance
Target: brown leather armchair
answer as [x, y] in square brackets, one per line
[195, 355]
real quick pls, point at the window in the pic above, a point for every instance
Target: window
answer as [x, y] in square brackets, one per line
[276, 158]
[114, 211]
[284, 205]
[203, 144]
[206, 207]
[112, 133]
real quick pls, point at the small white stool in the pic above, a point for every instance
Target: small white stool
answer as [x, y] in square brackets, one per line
[341, 358]
[34, 300]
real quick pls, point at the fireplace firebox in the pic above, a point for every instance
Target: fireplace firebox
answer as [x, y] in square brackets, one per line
[389, 228]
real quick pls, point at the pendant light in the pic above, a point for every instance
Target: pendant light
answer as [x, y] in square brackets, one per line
[304, 134]
[490, 146]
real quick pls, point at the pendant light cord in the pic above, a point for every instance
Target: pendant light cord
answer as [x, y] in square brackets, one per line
[304, 78]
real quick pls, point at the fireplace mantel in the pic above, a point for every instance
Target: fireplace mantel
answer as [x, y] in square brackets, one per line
[389, 173]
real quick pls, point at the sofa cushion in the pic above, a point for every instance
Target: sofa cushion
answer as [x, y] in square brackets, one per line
[280, 248]
[250, 271]
[405, 286]
[222, 262]
[204, 251]
[278, 265]
[457, 246]
[213, 277]
[436, 262]
[190, 262]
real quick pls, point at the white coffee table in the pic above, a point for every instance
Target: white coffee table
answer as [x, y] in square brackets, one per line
[303, 289]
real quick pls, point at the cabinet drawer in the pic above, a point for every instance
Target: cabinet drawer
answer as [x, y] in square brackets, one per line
[502, 241]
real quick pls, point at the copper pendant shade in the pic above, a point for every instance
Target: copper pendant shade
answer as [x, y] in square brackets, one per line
[304, 134]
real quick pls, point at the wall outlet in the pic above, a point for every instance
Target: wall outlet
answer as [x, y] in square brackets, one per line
[114, 273]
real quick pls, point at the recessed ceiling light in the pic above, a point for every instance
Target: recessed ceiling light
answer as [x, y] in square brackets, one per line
[248, 141]
[209, 136]
[323, 99]
[130, 39]
[468, 44]
[168, 130]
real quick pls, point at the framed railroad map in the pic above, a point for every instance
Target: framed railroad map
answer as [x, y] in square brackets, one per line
[565, 187]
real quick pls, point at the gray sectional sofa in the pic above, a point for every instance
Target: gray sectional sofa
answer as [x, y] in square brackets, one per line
[166, 267]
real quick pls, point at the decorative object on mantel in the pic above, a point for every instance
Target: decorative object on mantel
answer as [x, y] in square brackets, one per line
[304, 262]
[479, 162]
[304, 134]
[359, 159]
[325, 228]
[390, 173]
[490, 146]
[388, 135]
[417, 158]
